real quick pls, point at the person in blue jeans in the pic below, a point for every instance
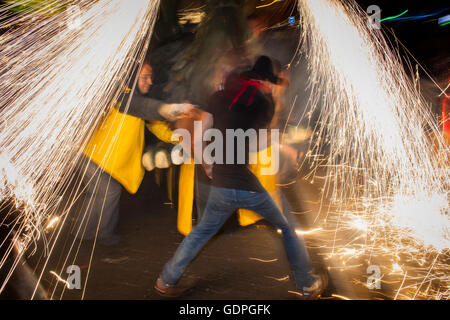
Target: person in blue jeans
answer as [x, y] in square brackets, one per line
[244, 103]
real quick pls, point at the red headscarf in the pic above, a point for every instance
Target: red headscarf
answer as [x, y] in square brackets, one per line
[245, 83]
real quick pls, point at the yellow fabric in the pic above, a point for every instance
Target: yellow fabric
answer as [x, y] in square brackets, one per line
[247, 217]
[161, 130]
[186, 196]
[116, 147]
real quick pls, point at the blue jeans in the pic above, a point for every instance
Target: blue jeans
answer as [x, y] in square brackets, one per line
[221, 204]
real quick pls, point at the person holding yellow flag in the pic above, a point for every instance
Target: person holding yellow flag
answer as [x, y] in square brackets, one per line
[114, 158]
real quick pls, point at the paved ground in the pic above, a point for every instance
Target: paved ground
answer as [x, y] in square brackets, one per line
[240, 263]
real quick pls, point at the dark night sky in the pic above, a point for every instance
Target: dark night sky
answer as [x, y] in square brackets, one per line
[424, 38]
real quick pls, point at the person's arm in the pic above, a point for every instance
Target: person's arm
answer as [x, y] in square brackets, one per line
[151, 109]
[143, 107]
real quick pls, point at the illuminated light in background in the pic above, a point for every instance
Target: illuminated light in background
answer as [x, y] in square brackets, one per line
[444, 20]
[267, 5]
[394, 17]
[303, 232]
[445, 112]
[385, 164]
[58, 81]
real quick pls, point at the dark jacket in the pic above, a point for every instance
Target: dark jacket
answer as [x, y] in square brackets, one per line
[242, 104]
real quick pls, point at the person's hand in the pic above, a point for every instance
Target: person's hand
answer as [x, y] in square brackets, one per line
[205, 119]
[186, 120]
[176, 111]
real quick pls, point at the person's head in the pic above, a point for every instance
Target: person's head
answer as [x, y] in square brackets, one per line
[145, 78]
[263, 70]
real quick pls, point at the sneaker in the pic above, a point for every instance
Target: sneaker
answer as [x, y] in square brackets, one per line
[314, 291]
[169, 290]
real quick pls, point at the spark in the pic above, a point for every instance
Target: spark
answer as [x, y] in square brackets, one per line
[52, 223]
[296, 293]
[267, 5]
[302, 232]
[401, 286]
[385, 160]
[340, 297]
[61, 72]
[419, 17]
[444, 20]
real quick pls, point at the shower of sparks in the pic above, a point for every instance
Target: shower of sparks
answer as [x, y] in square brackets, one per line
[62, 66]
[387, 170]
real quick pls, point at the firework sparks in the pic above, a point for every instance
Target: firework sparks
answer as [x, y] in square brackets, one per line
[387, 182]
[61, 70]
[387, 164]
